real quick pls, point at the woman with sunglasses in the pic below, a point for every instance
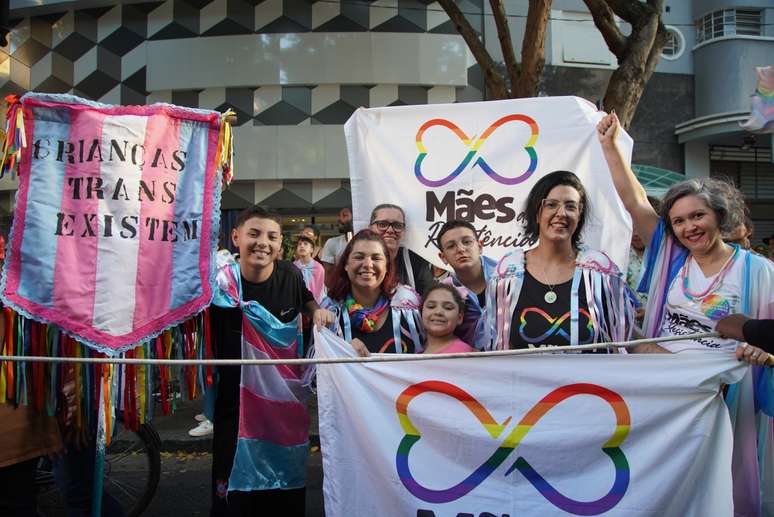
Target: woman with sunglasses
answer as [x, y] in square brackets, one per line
[694, 279]
[389, 222]
[373, 311]
[561, 294]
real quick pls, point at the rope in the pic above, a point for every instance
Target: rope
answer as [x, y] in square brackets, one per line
[386, 358]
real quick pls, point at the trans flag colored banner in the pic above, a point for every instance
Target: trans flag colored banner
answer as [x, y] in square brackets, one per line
[596, 434]
[477, 161]
[116, 220]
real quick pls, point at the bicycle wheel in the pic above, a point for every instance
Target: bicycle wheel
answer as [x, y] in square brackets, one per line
[133, 469]
[131, 475]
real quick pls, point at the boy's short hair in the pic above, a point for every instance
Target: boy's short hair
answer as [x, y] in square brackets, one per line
[258, 212]
[452, 224]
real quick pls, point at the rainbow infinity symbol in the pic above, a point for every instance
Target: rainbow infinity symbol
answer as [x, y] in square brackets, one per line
[611, 447]
[474, 146]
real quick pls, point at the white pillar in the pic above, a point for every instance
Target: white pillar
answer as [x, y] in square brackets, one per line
[697, 160]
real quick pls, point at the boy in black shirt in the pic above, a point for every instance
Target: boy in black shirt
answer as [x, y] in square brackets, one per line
[279, 287]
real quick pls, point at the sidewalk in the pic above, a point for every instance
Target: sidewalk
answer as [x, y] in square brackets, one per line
[173, 429]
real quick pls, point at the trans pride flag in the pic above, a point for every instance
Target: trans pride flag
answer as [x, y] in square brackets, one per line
[762, 103]
[116, 220]
[273, 437]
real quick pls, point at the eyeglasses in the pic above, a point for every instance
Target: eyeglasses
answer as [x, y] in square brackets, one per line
[466, 243]
[553, 206]
[382, 225]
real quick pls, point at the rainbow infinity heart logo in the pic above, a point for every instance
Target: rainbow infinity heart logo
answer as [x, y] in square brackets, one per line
[612, 447]
[473, 148]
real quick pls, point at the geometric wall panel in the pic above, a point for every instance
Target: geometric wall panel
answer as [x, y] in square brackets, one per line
[97, 72]
[52, 74]
[74, 34]
[296, 16]
[122, 28]
[225, 17]
[348, 17]
[398, 16]
[172, 20]
[293, 76]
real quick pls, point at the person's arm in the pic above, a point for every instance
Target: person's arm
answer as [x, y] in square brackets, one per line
[758, 333]
[320, 317]
[629, 189]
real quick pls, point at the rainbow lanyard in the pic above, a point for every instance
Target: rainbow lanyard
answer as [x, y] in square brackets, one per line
[715, 283]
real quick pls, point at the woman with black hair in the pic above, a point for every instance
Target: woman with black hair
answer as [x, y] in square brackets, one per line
[557, 292]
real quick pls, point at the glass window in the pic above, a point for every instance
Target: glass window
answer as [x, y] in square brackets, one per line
[728, 22]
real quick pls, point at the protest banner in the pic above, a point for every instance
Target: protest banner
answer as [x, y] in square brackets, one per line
[572, 434]
[477, 161]
[117, 216]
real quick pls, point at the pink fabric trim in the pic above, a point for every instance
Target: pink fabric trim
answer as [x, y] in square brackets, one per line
[154, 260]
[280, 422]
[205, 249]
[144, 111]
[75, 269]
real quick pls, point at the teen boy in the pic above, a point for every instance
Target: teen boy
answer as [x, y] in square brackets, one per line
[278, 286]
[460, 248]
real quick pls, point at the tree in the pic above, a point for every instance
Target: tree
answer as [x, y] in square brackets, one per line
[637, 54]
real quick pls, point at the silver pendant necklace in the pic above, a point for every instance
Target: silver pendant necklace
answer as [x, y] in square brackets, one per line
[550, 296]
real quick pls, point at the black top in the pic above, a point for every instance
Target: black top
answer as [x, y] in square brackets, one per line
[759, 333]
[537, 322]
[284, 295]
[423, 275]
[382, 341]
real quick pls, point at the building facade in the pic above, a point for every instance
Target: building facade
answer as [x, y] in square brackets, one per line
[295, 70]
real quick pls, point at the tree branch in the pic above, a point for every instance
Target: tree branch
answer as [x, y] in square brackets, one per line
[604, 19]
[506, 45]
[495, 83]
[533, 49]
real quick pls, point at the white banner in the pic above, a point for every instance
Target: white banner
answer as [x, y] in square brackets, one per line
[477, 161]
[628, 435]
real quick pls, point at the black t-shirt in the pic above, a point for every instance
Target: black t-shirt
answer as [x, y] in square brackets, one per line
[382, 341]
[537, 322]
[284, 295]
[423, 276]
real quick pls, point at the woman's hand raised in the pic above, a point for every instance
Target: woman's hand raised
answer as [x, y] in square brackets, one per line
[608, 129]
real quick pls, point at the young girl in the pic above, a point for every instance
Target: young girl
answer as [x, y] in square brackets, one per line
[442, 310]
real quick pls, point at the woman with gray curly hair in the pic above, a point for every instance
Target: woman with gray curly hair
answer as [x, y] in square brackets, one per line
[694, 279]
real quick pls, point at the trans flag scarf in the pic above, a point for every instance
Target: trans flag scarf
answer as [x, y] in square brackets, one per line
[273, 437]
[750, 401]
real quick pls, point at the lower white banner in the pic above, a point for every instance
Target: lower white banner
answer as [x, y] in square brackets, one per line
[571, 434]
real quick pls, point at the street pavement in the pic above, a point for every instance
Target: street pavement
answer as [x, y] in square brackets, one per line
[184, 486]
